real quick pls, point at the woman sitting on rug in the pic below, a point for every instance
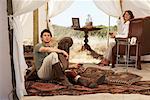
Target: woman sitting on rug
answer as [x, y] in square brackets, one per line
[123, 28]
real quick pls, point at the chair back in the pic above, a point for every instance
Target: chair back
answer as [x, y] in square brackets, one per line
[145, 38]
[136, 28]
[140, 28]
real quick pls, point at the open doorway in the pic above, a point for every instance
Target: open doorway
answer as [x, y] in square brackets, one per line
[62, 28]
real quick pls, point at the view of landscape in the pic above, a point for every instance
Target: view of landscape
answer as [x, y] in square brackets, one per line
[97, 41]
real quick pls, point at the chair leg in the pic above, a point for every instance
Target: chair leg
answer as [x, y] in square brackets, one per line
[113, 59]
[139, 57]
[139, 63]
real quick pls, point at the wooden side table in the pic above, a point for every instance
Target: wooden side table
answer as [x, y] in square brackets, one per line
[86, 30]
[86, 46]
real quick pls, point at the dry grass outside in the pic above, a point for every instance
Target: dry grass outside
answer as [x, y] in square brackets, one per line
[78, 56]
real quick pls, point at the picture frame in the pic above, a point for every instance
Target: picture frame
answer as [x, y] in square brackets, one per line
[75, 23]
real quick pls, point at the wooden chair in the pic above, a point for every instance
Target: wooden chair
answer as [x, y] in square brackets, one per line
[139, 28]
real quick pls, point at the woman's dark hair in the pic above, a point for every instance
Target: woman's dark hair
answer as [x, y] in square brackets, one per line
[130, 13]
[45, 30]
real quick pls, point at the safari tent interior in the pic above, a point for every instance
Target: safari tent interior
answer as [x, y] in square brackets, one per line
[19, 17]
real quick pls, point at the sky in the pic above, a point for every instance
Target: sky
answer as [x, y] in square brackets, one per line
[80, 9]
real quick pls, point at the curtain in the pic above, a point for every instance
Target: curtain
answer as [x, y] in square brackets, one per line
[56, 7]
[19, 61]
[24, 6]
[140, 8]
[21, 7]
[110, 7]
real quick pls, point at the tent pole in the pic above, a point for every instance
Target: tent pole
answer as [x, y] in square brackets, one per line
[108, 31]
[47, 20]
[121, 1]
[10, 32]
[35, 27]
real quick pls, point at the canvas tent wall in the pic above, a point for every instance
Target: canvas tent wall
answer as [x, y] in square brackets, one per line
[5, 65]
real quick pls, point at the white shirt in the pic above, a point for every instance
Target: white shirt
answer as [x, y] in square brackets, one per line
[123, 29]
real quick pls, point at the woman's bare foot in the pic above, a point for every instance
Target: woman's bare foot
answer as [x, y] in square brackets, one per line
[104, 62]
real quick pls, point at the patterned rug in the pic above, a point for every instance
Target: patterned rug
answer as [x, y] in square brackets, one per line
[116, 83]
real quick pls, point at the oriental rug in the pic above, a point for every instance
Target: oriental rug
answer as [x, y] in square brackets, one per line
[116, 83]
